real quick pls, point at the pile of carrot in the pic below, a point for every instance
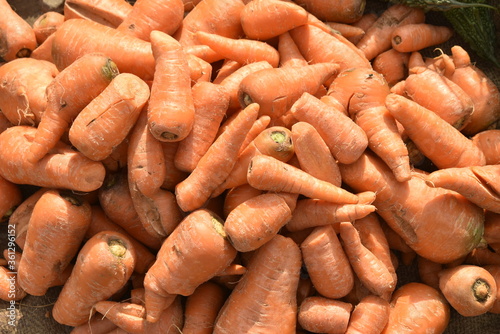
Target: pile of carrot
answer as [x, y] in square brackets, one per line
[246, 166]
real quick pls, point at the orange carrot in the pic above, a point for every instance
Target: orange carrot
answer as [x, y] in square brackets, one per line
[117, 159]
[10, 290]
[22, 94]
[226, 68]
[44, 50]
[103, 266]
[107, 119]
[289, 52]
[378, 38]
[314, 212]
[4, 123]
[417, 308]
[494, 270]
[89, 37]
[149, 15]
[470, 290]
[196, 251]
[17, 37]
[488, 142]
[345, 139]
[369, 316]
[61, 168]
[173, 174]
[46, 24]
[10, 198]
[326, 263]
[418, 36]
[53, 239]
[365, 22]
[428, 271]
[244, 51]
[202, 52]
[237, 195]
[491, 227]
[315, 310]
[258, 126]
[347, 12]
[446, 147]
[258, 18]
[482, 256]
[269, 305]
[216, 164]
[412, 215]
[199, 69]
[107, 12]
[170, 121]
[349, 31]
[95, 325]
[211, 102]
[393, 65]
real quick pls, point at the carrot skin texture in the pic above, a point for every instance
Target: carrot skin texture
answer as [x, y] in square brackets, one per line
[17, 38]
[418, 36]
[104, 265]
[109, 13]
[393, 65]
[105, 122]
[369, 316]
[46, 24]
[324, 315]
[254, 303]
[345, 12]
[488, 142]
[10, 198]
[494, 270]
[289, 52]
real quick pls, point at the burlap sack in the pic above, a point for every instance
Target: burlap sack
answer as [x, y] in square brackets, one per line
[32, 315]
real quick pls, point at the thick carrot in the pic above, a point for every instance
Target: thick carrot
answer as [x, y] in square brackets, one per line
[491, 227]
[117, 159]
[347, 12]
[211, 102]
[10, 198]
[494, 270]
[369, 316]
[393, 65]
[214, 167]
[443, 144]
[202, 308]
[488, 142]
[149, 15]
[56, 230]
[61, 168]
[378, 38]
[345, 139]
[258, 18]
[242, 50]
[106, 12]
[106, 121]
[264, 300]
[288, 84]
[89, 37]
[313, 212]
[470, 290]
[237, 195]
[103, 266]
[17, 38]
[324, 315]
[418, 36]
[170, 111]
[226, 68]
[411, 215]
[22, 94]
[326, 263]
[289, 52]
[197, 250]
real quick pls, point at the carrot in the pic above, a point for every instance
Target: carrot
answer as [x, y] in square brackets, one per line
[149, 15]
[199, 69]
[197, 250]
[46, 24]
[214, 167]
[324, 315]
[367, 91]
[203, 52]
[258, 18]
[107, 119]
[482, 256]
[104, 264]
[326, 263]
[488, 142]
[173, 174]
[244, 51]
[202, 308]
[289, 84]
[95, 325]
[53, 239]
[418, 36]
[428, 271]
[89, 37]
[258, 126]
[44, 51]
[237, 195]
[10, 290]
[347, 12]
[17, 37]
[369, 316]
[378, 38]
[10, 198]
[470, 290]
[491, 227]
[417, 308]
[483, 92]
[106, 12]
[289, 52]
[454, 150]
[62, 168]
[345, 139]
[393, 65]
[409, 208]
[264, 305]
[476, 183]
[22, 94]
[364, 22]
[313, 212]
[226, 68]
[4, 123]
[213, 16]
[117, 159]
[494, 270]
[190, 4]
[211, 102]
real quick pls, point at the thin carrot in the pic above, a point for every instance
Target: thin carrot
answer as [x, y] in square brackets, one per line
[494, 270]
[369, 316]
[170, 121]
[269, 305]
[46, 24]
[216, 164]
[488, 142]
[226, 68]
[105, 122]
[418, 36]
[106, 12]
[173, 174]
[393, 65]
[289, 52]
[326, 263]
[149, 15]
[10, 290]
[202, 52]
[17, 37]
[365, 22]
[104, 264]
[315, 309]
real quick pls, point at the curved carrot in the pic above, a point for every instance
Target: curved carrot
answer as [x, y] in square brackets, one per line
[313, 311]
[289, 52]
[488, 142]
[103, 266]
[418, 36]
[10, 198]
[17, 38]
[46, 24]
[106, 12]
[369, 316]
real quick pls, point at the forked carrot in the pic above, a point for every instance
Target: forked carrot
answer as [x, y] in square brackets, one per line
[18, 37]
[106, 12]
[315, 309]
[418, 36]
[369, 316]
